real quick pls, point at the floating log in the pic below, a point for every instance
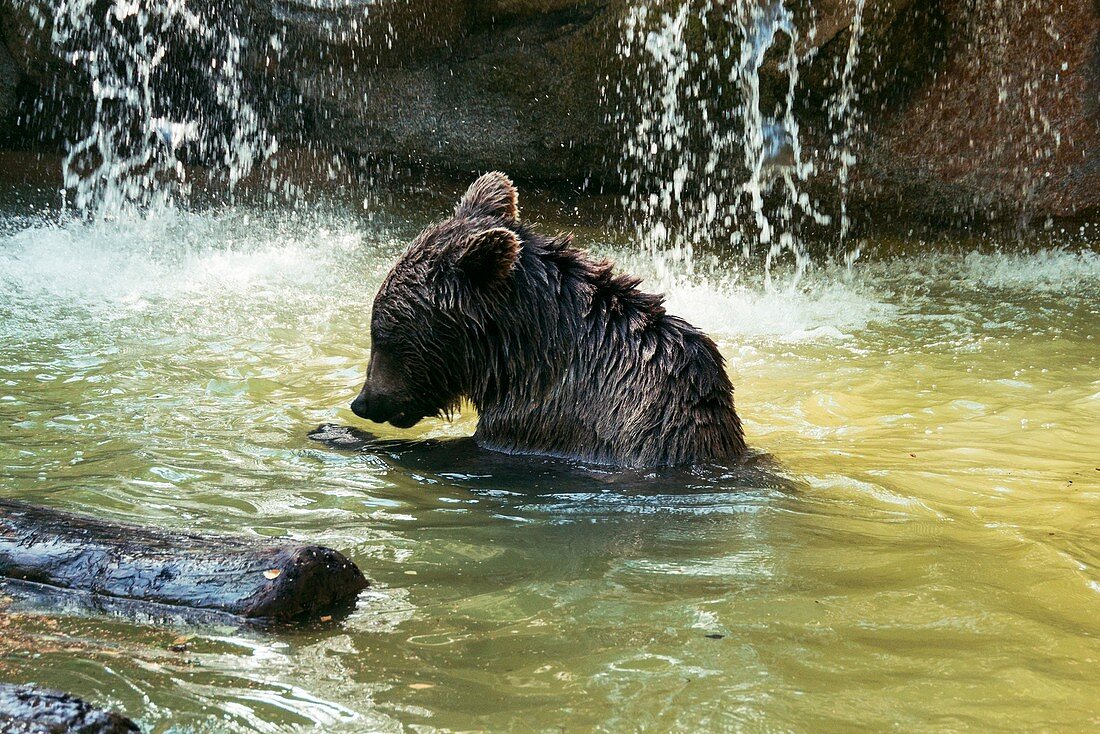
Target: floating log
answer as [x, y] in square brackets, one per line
[27, 597]
[33, 710]
[277, 583]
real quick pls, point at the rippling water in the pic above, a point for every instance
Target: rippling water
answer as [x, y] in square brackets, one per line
[930, 561]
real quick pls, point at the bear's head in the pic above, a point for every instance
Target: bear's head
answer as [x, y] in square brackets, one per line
[432, 309]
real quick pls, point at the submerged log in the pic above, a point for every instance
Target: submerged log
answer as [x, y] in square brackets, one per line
[276, 583]
[32, 710]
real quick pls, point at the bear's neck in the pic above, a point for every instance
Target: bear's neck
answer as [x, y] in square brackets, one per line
[576, 362]
[530, 339]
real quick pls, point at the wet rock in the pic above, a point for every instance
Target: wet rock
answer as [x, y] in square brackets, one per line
[1007, 127]
[513, 85]
[33, 710]
[966, 109]
[25, 41]
[351, 37]
[9, 81]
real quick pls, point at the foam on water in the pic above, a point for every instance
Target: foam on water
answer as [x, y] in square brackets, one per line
[1056, 269]
[170, 256]
[186, 260]
[1051, 270]
[818, 310]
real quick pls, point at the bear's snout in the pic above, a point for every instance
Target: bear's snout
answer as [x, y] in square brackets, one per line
[374, 402]
[359, 406]
[382, 409]
[369, 406]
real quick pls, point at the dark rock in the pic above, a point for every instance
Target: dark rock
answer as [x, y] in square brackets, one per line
[33, 710]
[966, 110]
[350, 36]
[27, 41]
[510, 87]
[9, 81]
[529, 86]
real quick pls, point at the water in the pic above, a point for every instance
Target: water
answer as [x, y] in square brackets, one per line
[931, 562]
[707, 155]
[169, 84]
[923, 556]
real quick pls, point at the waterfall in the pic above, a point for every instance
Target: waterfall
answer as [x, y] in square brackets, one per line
[166, 84]
[843, 117]
[707, 156]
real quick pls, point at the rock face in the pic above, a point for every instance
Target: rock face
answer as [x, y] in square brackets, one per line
[957, 110]
[963, 109]
[503, 84]
[1009, 124]
[9, 81]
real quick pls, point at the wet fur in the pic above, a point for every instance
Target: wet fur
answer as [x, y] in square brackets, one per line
[560, 356]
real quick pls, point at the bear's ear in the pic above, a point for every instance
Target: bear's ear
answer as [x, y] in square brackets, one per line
[489, 256]
[494, 195]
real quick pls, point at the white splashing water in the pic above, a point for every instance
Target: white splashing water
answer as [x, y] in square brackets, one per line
[230, 269]
[164, 77]
[746, 186]
[844, 118]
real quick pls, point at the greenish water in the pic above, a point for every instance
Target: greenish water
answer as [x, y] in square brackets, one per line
[933, 565]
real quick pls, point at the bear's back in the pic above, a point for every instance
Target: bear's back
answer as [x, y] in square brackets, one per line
[629, 385]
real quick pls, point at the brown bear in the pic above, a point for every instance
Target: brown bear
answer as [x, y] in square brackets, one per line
[560, 356]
